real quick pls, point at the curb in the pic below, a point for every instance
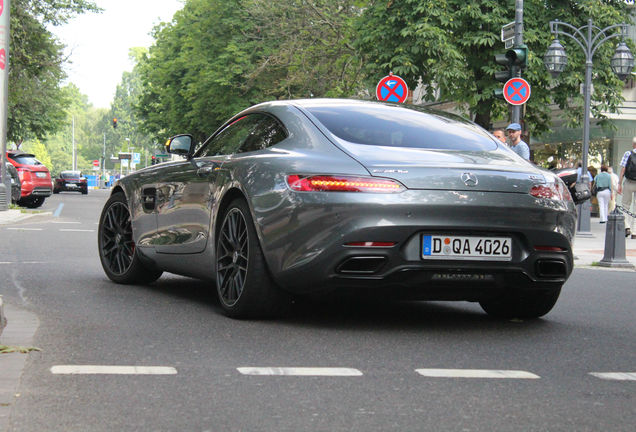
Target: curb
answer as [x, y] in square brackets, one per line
[3, 318]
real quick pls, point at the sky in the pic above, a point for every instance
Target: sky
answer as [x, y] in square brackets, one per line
[97, 43]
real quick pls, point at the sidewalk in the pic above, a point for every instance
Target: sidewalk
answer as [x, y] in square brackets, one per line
[590, 250]
[20, 330]
[12, 216]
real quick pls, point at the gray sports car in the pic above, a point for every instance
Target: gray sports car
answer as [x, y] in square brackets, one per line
[308, 196]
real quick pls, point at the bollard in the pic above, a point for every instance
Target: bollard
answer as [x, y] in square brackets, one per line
[614, 255]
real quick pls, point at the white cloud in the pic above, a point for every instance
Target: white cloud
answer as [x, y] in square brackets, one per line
[98, 44]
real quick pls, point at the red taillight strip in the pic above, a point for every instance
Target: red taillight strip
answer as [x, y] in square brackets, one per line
[549, 248]
[328, 183]
[371, 244]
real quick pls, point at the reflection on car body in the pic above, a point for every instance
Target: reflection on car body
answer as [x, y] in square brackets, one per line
[308, 196]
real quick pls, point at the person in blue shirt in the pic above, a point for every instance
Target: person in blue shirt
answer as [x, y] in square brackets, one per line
[579, 170]
[516, 144]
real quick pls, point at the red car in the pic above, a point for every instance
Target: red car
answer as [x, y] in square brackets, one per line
[35, 178]
[71, 181]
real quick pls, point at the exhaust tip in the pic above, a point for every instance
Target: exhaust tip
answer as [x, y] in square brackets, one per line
[551, 268]
[361, 265]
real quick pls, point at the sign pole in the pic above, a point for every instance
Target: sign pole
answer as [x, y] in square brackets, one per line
[516, 70]
[5, 193]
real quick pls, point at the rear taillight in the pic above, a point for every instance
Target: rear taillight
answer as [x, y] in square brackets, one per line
[554, 191]
[24, 174]
[331, 183]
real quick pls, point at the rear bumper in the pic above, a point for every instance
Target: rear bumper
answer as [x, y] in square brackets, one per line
[306, 248]
[36, 190]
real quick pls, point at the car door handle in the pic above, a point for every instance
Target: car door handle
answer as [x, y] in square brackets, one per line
[206, 170]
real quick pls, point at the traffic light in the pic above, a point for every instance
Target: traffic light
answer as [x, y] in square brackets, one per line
[114, 123]
[153, 160]
[518, 56]
[504, 60]
[515, 60]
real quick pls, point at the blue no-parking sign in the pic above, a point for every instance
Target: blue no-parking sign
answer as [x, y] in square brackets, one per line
[516, 91]
[392, 88]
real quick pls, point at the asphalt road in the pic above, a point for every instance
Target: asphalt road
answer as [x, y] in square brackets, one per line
[383, 352]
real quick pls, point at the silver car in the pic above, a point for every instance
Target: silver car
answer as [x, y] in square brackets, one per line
[308, 196]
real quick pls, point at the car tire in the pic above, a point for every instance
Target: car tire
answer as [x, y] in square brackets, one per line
[31, 202]
[244, 285]
[55, 191]
[85, 192]
[525, 304]
[117, 252]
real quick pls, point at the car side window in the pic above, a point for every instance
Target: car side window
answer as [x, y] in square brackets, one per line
[248, 133]
[267, 132]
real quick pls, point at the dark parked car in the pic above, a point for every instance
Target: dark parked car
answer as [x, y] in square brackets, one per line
[71, 181]
[309, 196]
[35, 179]
[16, 188]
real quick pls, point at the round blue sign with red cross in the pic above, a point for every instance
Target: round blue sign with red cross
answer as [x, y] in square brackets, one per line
[516, 91]
[392, 88]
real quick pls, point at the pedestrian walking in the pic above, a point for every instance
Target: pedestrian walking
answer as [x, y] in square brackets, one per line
[604, 192]
[516, 144]
[500, 134]
[627, 187]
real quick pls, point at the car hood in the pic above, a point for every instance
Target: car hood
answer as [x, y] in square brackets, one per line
[498, 170]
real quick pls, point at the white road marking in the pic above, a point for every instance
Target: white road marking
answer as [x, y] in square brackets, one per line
[69, 222]
[299, 371]
[77, 230]
[112, 370]
[476, 373]
[25, 229]
[615, 376]
[23, 262]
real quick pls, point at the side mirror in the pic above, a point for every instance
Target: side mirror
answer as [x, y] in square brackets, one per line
[182, 145]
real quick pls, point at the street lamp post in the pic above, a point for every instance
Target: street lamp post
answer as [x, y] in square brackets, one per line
[589, 38]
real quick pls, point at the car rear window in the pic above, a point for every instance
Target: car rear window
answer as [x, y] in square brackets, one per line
[26, 159]
[397, 126]
[69, 175]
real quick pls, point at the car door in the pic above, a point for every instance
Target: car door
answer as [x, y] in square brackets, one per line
[184, 196]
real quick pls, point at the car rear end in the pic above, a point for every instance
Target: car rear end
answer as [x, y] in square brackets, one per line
[71, 181]
[455, 218]
[35, 178]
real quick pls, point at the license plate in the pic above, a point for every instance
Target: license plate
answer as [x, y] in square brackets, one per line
[40, 175]
[71, 185]
[466, 247]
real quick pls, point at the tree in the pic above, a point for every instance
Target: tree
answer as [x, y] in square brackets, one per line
[36, 102]
[449, 45]
[217, 58]
[127, 95]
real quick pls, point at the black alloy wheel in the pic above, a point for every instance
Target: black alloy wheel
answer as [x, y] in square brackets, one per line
[244, 285]
[232, 258]
[117, 250]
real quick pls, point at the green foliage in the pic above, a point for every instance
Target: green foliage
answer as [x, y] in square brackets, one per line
[36, 102]
[7, 349]
[216, 58]
[56, 150]
[450, 44]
